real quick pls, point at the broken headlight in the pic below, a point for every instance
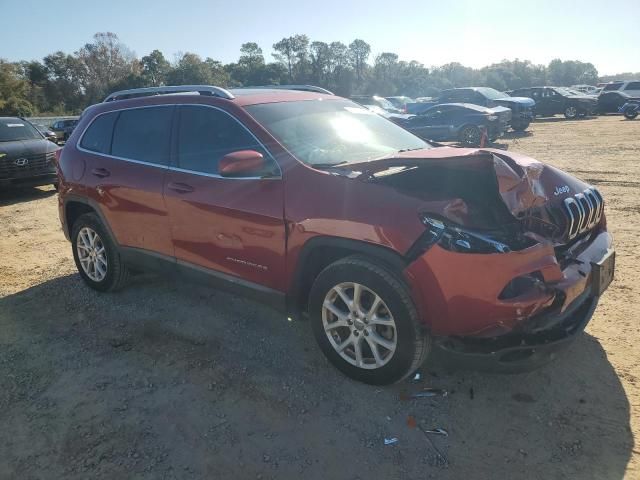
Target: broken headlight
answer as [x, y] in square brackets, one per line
[459, 239]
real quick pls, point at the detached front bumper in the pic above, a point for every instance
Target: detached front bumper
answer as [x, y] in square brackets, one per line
[523, 350]
[467, 294]
[461, 299]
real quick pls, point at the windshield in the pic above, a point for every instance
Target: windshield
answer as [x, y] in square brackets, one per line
[331, 132]
[13, 129]
[492, 93]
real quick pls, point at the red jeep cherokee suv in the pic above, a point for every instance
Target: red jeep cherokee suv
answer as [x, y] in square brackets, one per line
[316, 205]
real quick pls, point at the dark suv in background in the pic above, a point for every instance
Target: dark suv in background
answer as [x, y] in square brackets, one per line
[318, 206]
[63, 128]
[559, 100]
[26, 156]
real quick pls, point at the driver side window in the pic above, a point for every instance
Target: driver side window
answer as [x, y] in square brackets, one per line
[206, 134]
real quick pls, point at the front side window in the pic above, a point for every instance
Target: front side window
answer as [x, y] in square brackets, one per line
[97, 138]
[205, 135]
[143, 134]
[330, 132]
[632, 86]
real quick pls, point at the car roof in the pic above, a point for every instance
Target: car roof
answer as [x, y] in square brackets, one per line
[10, 119]
[469, 106]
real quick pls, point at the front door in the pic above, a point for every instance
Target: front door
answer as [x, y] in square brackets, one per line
[231, 225]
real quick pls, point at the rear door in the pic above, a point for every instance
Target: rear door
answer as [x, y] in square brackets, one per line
[231, 225]
[432, 125]
[126, 157]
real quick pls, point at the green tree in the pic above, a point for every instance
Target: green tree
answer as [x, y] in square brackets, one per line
[359, 51]
[14, 90]
[155, 69]
[293, 54]
[106, 61]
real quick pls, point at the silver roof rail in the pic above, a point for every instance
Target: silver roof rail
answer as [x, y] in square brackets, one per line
[149, 91]
[304, 88]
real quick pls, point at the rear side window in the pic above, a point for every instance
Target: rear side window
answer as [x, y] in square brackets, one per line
[143, 134]
[97, 138]
[206, 134]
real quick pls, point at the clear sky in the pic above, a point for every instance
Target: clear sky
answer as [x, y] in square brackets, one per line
[472, 32]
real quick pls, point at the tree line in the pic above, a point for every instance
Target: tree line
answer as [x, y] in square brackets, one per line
[63, 83]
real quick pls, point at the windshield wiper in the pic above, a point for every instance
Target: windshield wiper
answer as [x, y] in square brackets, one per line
[328, 165]
[409, 149]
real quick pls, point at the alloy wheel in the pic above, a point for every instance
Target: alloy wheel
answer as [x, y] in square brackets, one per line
[359, 325]
[92, 254]
[471, 136]
[571, 112]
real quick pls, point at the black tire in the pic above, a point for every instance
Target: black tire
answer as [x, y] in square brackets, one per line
[630, 114]
[413, 342]
[117, 274]
[520, 126]
[571, 112]
[470, 135]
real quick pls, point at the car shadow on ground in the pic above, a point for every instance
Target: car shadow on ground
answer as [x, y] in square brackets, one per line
[166, 379]
[563, 119]
[13, 196]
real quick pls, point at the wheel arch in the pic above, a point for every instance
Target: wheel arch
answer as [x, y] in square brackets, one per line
[75, 206]
[319, 252]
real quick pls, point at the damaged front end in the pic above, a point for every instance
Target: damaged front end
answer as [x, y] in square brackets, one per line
[513, 257]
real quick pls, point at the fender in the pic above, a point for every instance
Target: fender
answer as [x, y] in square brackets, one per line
[70, 198]
[299, 285]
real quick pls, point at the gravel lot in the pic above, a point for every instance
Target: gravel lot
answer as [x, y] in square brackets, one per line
[169, 380]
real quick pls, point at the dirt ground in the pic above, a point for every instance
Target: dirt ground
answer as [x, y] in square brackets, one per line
[170, 380]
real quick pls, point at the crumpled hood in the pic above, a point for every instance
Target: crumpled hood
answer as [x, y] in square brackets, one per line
[523, 182]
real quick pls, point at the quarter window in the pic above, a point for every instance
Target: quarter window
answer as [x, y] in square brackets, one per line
[206, 134]
[97, 138]
[143, 134]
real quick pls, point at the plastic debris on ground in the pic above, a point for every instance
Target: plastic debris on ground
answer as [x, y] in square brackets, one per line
[424, 393]
[411, 421]
[436, 431]
[390, 441]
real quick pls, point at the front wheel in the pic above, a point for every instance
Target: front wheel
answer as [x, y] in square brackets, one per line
[630, 114]
[365, 322]
[570, 112]
[471, 136]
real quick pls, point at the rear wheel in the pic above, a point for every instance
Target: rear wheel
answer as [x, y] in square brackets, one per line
[470, 135]
[96, 255]
[365, 322]
[570, 112]
[520, 126]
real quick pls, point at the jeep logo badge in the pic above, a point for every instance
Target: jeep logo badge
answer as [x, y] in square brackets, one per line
[21, 162]
[561, 189]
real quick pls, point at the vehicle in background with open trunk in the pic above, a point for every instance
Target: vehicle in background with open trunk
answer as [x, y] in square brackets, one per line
[319, 207]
